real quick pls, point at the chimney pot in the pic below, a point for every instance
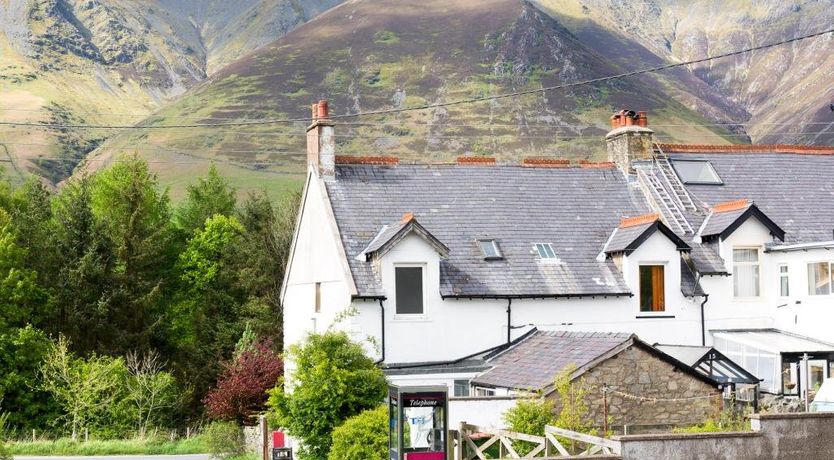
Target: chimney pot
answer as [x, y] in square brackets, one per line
[315, 111]
[642, 119]
[323, 109]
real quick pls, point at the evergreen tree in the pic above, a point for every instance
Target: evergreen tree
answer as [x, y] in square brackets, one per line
[209, 196]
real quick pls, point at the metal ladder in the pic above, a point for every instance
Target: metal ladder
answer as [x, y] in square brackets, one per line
[671, 179]
[663, 200]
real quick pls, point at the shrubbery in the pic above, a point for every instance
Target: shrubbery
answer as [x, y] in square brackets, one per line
[224, 439]
[333, 381]
[362, 436]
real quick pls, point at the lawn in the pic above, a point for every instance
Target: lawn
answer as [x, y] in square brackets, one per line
[67, 446]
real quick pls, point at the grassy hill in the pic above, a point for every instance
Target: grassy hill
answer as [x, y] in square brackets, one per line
[115, 62]
[370, 54]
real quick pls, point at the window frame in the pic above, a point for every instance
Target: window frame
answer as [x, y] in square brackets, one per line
[462, 383]
[786, 277]
[718, 181]
[411, 316]
[484, 392]
[317, 301]
[757, 264]
[830, 277]
[640, 267]
[499, 254]
[546, 256]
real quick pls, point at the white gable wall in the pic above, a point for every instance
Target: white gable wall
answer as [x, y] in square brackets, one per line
[315, 259]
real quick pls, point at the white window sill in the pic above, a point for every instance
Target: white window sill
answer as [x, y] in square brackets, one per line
[410, 319]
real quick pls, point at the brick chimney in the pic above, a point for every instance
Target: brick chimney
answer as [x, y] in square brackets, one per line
[321, 143]
[630, 139]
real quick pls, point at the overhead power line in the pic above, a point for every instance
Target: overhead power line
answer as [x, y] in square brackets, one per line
[433, 105]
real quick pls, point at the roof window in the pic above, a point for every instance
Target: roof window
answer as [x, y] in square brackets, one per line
[545, 251]
[490, 249]
[698, 172]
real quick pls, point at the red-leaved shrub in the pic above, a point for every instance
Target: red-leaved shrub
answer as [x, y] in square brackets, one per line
[242, 386]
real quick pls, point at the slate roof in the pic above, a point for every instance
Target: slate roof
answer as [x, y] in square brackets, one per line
[574, 209]
[706, 259]
[533, 363]
[724, 223]
[690, 286]
[628, 239]
[390, 235]
[795, 190]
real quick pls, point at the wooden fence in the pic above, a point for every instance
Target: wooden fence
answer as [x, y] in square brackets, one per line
[473, 442]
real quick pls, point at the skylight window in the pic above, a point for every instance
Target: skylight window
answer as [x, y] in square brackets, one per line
[698, 172]
[545, 251]
[490, 249]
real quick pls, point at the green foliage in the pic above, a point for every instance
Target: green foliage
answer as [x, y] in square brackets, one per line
[333, 381]
[529, 416]
[362, 436]
[85, 389]
[224, 439]
[147, 446]
[386, 37]
[21, 353]
[574, 413]
[5, 453]
[137, 218]
[209, 196]
[726, 420]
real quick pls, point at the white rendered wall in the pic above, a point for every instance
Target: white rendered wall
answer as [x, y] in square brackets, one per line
[315, 259]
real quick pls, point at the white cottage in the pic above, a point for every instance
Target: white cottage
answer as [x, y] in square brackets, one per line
[436, 265]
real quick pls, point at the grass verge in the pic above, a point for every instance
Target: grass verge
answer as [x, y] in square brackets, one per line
[194, 445]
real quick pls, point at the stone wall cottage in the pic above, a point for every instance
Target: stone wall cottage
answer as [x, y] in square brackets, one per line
[644, 388]
[724, 246]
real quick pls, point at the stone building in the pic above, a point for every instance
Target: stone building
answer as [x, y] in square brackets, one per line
[635, 384]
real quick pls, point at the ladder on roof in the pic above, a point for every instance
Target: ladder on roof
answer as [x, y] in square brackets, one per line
[671, 179]
[663, 201]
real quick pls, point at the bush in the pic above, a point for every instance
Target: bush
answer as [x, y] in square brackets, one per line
[362, 436]
[333, 381]
[529, 416]
[224, 439]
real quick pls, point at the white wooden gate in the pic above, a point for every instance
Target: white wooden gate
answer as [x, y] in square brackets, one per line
[473, 442]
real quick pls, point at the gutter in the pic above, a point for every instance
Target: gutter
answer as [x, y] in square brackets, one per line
[703, 322]
[535, 296]
[509, 319]
[382, 330]
[800, 246]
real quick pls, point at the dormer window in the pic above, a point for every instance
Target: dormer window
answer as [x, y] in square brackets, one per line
[490, 249]
[408, 281]
[545, 251]
[696, 172]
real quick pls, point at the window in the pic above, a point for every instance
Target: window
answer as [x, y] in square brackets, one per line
[545, 251]
[461, 388]
[696, 172]
[318, 297]
[490, 249]
[652, 288]
[784, 285]
[819, 278]
[746, 272]
[479, 391]
[409, 290]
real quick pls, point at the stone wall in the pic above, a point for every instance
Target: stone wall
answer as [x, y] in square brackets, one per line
[637, 372]
[805, 436]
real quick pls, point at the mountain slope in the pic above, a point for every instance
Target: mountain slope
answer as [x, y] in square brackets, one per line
[785, 91]
[116, 61]
[370, 54]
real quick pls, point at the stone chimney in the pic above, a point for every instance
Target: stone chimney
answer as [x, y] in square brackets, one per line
[630, 139]
[321, 143]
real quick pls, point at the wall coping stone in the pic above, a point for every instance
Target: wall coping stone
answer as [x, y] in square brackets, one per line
[791, 415]
[687, 436]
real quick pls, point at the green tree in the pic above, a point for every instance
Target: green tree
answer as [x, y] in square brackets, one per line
[333, 380]
[31, 212]
[529, 416]
[149, 389]
[574, 412]
[137, 218]
[84, 389]
[362, 436]
[264, 252]
[21, 299]
[81, 290]
[21, 353]
[209, 196]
